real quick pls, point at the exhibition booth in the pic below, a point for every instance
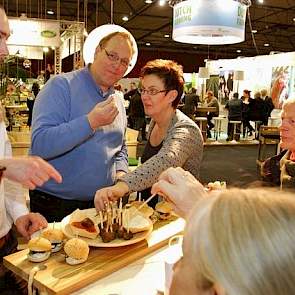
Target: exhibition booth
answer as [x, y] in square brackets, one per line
[275, 72]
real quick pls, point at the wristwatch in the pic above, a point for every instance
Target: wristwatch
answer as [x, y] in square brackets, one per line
[2, 169]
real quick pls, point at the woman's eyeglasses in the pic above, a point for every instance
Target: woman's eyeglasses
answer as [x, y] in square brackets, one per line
[115, 58]
[151, 91]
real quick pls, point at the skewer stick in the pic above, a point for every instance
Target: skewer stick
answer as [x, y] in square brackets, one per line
[143, 204]
[111, 221]
[101, 220]
[120, 212]
[128, 220]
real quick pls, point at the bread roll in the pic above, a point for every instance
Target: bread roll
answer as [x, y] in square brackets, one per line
[77, 251]
[137, 222]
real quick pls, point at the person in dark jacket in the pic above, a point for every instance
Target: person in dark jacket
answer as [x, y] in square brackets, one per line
[257, 111]
[31, 101]
[190, 103]
[246, 100]
[211, 101]
[269, 104]
[234, 107]
[137, 115]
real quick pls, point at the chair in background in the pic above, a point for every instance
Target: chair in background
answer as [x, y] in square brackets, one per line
[218, 124]
[202, 123]
[237, 129]
[268, 135]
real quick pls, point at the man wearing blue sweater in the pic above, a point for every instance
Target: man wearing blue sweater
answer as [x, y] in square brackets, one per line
[78, 125]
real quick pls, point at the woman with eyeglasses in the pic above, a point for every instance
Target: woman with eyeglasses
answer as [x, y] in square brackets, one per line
[173, 138]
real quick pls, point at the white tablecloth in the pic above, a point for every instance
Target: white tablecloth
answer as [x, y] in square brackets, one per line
[145, 277]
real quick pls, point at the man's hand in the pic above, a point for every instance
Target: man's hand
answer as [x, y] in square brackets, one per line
[110, 194]
[104, 113]
[30, 223]
[30, 171]
[180, 188]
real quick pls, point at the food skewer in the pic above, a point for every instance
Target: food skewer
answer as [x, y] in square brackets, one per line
[101, 220]
[143, 204]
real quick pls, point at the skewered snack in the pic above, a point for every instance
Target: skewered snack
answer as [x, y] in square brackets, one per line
[127, 235]
[120, 232]
[108, 236]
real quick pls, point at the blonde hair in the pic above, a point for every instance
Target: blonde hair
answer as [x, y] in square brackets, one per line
[263, 92]
[103, 42]
[257, 94]
[288, 102]
[244, 240]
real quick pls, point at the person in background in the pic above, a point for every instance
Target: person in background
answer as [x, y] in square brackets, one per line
[136, 115]
[269, 104]
[31, 101]
[79, 125]
[173, 139]
[258, 111]
[279, 170]
[28, 171]
[131, 92]
[234, 107]
[191, 103]
[48, 72]
[246, 99]
[233, 238]
[211, 101]
[280, 86]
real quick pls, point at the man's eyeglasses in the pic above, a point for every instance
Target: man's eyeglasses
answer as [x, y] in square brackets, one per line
[151, 91]
[115, 58]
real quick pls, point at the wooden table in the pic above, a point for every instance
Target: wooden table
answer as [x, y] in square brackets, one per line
[202, 111]
[60, 278]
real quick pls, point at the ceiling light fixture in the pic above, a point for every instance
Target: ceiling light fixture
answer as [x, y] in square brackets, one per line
[125, 18]
[45, 49]
[239, 51]
[148, 44]
[148, 1]
[225, 26]
[266, 44]
[51, 12]
[166, 35]
[260, 1]
[254, 31]
[162, 2]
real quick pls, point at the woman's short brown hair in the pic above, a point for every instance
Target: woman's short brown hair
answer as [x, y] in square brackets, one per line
[170, 72]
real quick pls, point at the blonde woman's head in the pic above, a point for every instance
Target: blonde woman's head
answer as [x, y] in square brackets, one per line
[241, 242]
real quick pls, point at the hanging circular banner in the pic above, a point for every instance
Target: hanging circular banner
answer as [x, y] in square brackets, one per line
[211, 22]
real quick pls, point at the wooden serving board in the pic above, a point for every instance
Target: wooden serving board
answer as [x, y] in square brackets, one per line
[61, 278]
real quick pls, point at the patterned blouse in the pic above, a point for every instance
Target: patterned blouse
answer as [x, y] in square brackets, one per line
[182, 147]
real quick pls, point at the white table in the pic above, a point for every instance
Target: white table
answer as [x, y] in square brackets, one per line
[145, 277]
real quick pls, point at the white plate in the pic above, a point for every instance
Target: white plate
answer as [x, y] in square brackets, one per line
[97, 242]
